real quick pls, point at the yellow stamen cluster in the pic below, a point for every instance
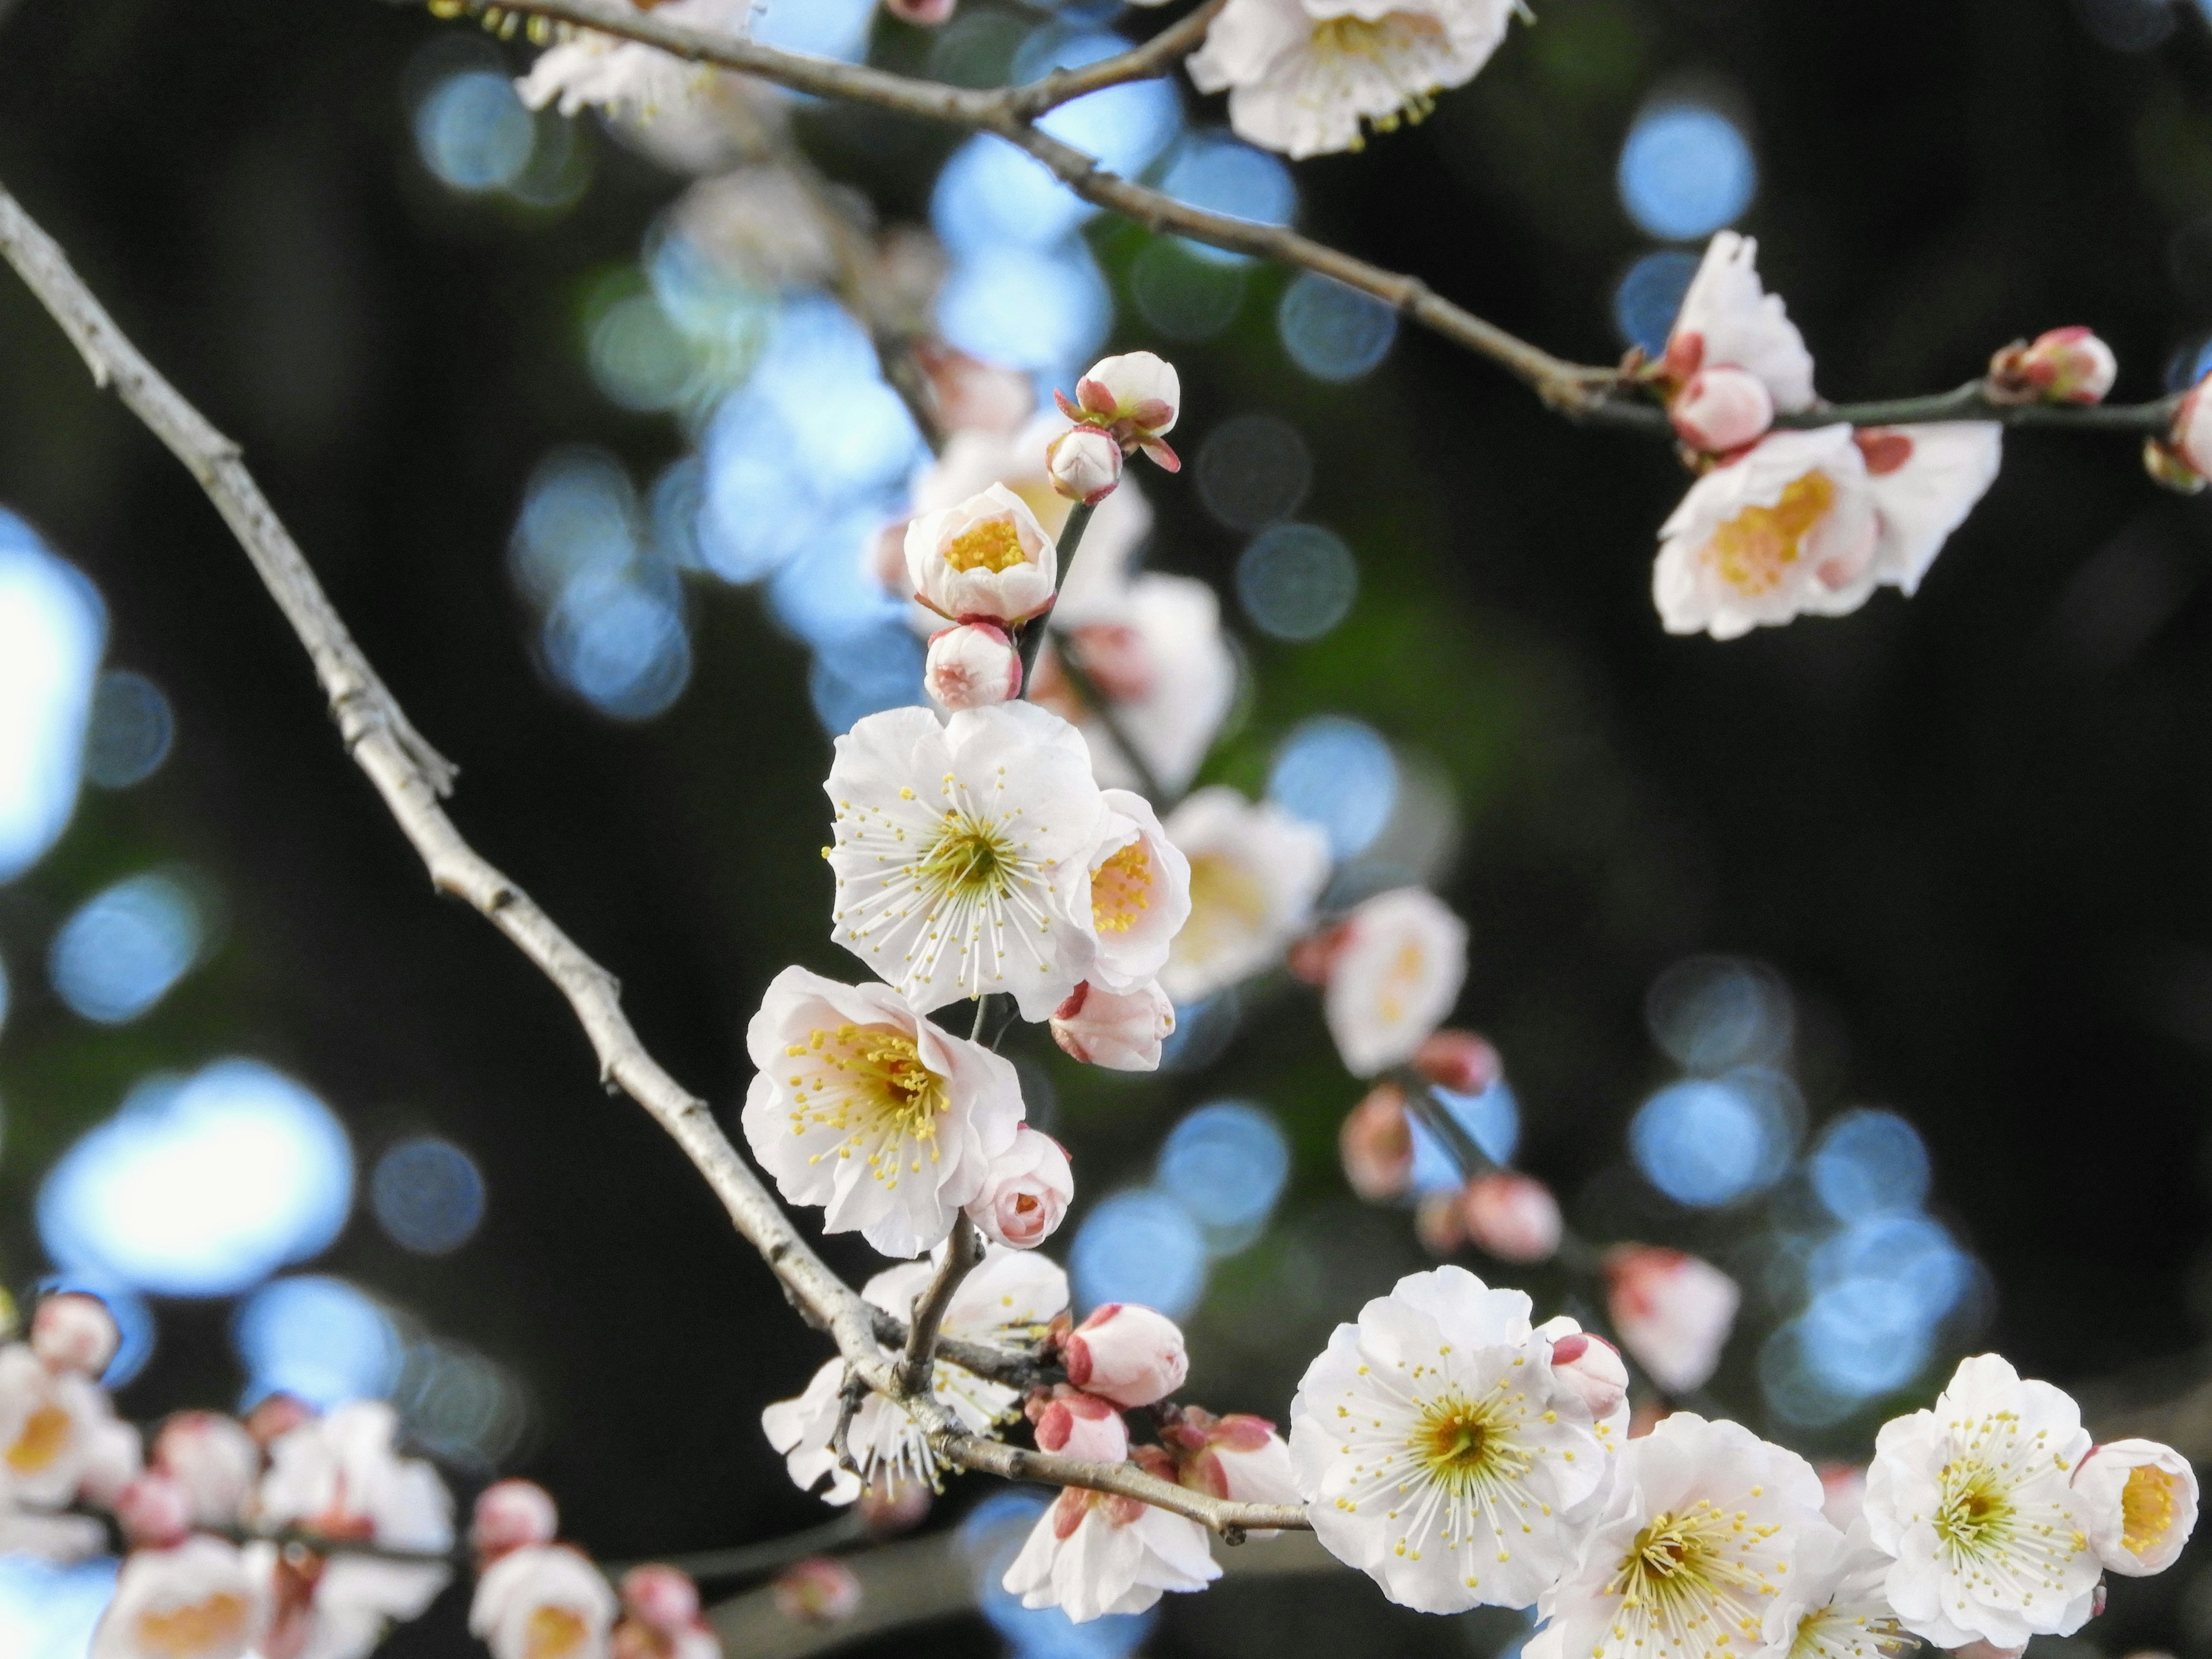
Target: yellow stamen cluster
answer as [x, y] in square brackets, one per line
[970, 859]
[1228, 907]
[45, 1434]
[216, 1624]
[992, 545]
[553, 1632]
[1398, 46]
[2147, 1508]
[1400, 981]
[1755, 550]
[869, 1083]
[1122, 889]
[1693, 1582]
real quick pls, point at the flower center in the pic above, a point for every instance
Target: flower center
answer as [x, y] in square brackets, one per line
[2147, 1508]
[1122, 889]
[1465, 1445]
[991, 545]
[1400, 980]
[46, 1432]
[1976, 1513]
[1684, 1569]
[1228, 908]
[969, 860]
[869, 1080]
[216, 1623]
[1754, 551]
[553, 1633]
[1395, 46]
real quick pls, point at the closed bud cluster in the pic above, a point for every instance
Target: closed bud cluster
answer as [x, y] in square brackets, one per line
[2064, 366]
[1133, 398]
[660, 1607]
[1127, 1353]
[972, 665]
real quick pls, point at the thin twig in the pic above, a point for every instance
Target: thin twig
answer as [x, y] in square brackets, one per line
[1230, 1522]
[1157, 56]
[409, 776]
[847, 1532]
[963, 1251]
[1069, 541]
[851, 1394]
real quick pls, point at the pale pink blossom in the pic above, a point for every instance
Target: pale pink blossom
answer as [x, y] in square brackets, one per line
[1376, 1144]
[512, 1515]
[1093, 1553]
[1074, 1424]
[661, 1619]
[1592, 1368]
[971, 665]
[987, 559]
[73, 1331]
[1238, 1458]
[215, 1460]
[1139, 893]
[1026, 1192]
[1720, 409]
[1128, 1354]
[2142, 1504]
[543, 1601]
[1135, 398]
[195, 1601]
[970, 395]
[1844, 1488]
[2191, 433]
[58, 1435]
[1120, 1031]
[1394, 973]
[1084, 463]
[1729, 320]
[1155, 648]
[925, 14]
[1460, 1061]
[1512, 1216]
[2061, 365]
[155, 1511]
[819, 1590]
[1673, 1311]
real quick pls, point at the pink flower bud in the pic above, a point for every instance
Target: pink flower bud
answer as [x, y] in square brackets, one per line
[1074, 1424]
[1513, 1217]
[890, 1506]
[1026, 1191]
[661, 1599]
[1673, 1311]
[1135, 397]
[2065, 365]
[1589, 1366]
[1122, 1032]
[276, 1416]
[154, 1512]
[928, 13]
[73, 1331]
[1127, 1354]
[971, 667]
[512, 1515]
[1458, 1061]
[1719, 410]
[1440, 1223]
[1843, 1493]
[2191, 433]
[214, 1459]
[1238, 1458]
[1376, 1145]
[1085, 464]
[819, 1590]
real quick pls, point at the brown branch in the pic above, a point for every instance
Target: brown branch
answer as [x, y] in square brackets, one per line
[963, 1251]
[1157, 56]
[410, 776]
[1230, 1520]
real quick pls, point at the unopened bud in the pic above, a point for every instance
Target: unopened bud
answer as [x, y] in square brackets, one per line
[73, 1331]
[972, 666]
[1719, 409]
[512, 1515]
[1512, 1216]
[1026, 1191]
[1085, 464]
[1440, 1223]
[1238, 1458]
[890, 1506]
[1121, 1030]
[1843, 1493]
[154, 1512]
[1458, 1061]
[661, 1598]
[2064, 366]
[1376, 1145]
[1074, 1423]
[928, 13]
[819, 1590]
[276, 1416]
[2168, 471]
[1135, 397]
[1127, 1353]
[1674, 1312]
[1589, 1366]
[214, 1459]
[2190, 436]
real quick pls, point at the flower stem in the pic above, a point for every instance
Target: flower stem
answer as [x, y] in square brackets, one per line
[1033, 631]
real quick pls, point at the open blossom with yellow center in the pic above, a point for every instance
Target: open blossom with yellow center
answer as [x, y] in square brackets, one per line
[55, 1431]
[1704, 1530]
[1394, 972]
[962, 851]
[1255, 873]
[988, 558]
[1011, 1296]
[625, 77]
[1303, 76]
[1832, 1605]
[2142, 1504]
[195, 1601]
[1974, 1503]
[1438, 1451]
[864, 1106]
[544, 1601]
[1139, 893]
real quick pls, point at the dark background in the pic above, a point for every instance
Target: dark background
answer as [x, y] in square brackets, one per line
[1971, 829]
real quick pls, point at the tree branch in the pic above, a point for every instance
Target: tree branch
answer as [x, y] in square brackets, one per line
[963, 1250]
[410, 776]
[1157, 56]
[1231, 1522]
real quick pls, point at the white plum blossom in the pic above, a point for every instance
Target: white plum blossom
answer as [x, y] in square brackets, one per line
[987, 558]
[1026, 1192]
[1831, 1604]
[1303, 75]
[1974, 1502]
[971, 666]
[1439, 1452]
[73, 1331]
[1094, 1554]
[1255, 873]
[1672, 1312]
[1395, 966]
[543, 1601]
[1703, 1531]
[59, 1434]
[1122, 1031]
[1512, 1216]
[1013, 1295]
[1128, 1353]
[194, 1600]
[214, 1459]
[627, 77]
[1134, 399]
[961, 850]
[2142, 1504]
[339, 1475]
[861, 1105]
[1139, 893]
[1729, 320]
